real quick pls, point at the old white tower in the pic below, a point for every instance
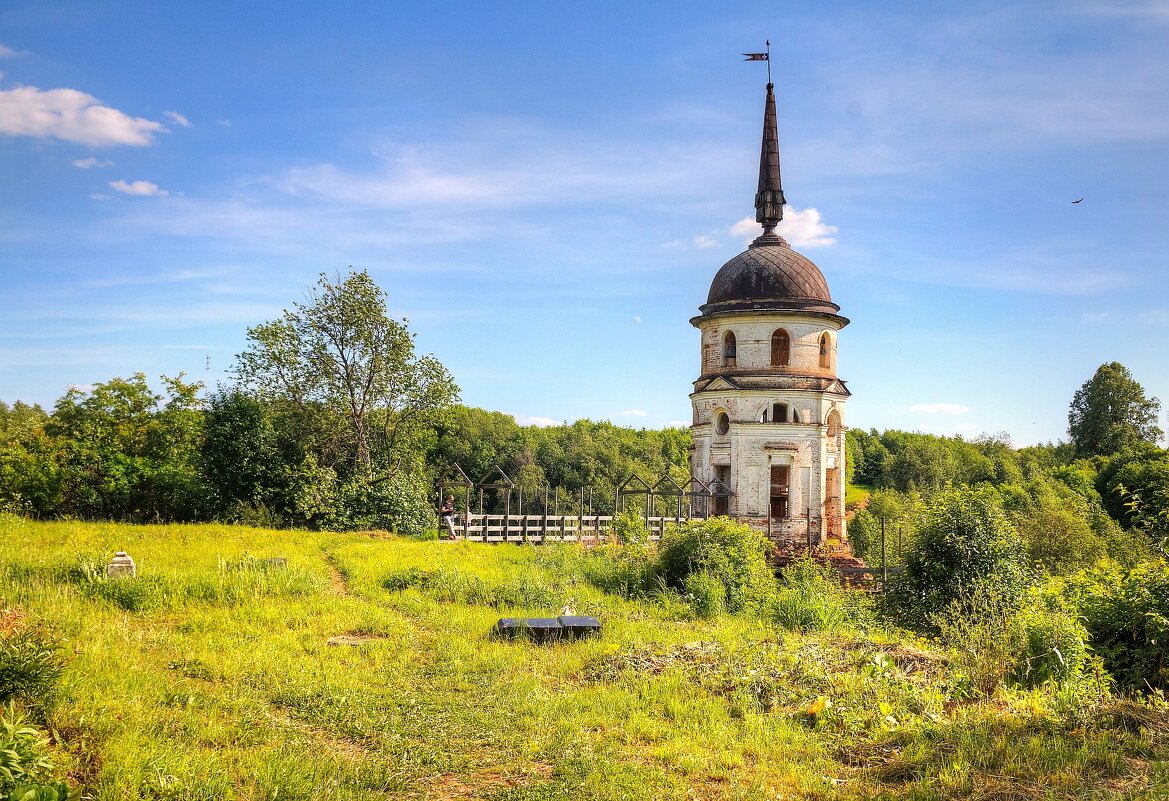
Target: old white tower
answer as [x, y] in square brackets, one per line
[768, 407]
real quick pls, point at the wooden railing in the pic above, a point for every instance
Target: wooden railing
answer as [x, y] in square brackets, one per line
[547, 528]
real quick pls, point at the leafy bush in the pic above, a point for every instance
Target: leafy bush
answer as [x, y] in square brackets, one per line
[811, 598]
[30, 660]
[996, 642]
[23, 757]
[733, 553]
[1055, 647]
[1126, 614]
[629, 571]
[399, 502]
[965, 541]
[705, 594]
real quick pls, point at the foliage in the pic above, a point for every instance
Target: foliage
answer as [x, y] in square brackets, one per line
[731, 552]
[812, 599]
[1126, 614]
[1134, 486]
[129, 454]
[341, 352]
[400, 503]
[997, 640]
[1110, 413]
[965, 540]
[30, 660]
[24, 760]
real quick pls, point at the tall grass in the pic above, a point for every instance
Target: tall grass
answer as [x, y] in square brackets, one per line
[220, 682]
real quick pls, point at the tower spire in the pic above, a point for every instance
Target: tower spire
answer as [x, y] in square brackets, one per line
[769, 199]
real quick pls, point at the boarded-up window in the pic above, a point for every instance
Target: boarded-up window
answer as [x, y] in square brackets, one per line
[833, 423]
[780, 474]
[825, 350]
[730, 350]
[781, 347]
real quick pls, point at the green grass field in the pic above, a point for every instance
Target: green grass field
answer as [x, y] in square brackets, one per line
[212, 676]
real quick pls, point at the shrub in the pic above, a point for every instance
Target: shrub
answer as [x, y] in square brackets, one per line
[733, 553]
[1126, 614]
[399, 502]
[30, 660]
[1055, 648]
[811, 599]
[705, 594]
[964, 542]
[996, 642]
[23, 760]
[629, 571]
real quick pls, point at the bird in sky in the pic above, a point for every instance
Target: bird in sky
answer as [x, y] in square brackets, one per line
[1081, 200]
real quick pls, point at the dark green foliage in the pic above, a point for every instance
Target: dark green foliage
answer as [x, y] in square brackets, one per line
[1126, 614]
[965, 540]
[1134, 486]
[732, 553]
[241, 455]
[126, 453]
[399, 502]
[30, 664]
[1110, 413]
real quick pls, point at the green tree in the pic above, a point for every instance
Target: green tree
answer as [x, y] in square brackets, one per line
[1110, 413]
[128, 453]
[339, 353]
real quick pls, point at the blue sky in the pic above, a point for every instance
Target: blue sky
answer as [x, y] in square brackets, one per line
[545, 190]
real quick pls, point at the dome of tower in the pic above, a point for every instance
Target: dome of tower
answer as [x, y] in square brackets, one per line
[769, 275]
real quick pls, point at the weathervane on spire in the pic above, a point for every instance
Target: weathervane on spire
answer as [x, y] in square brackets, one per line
[769, 200]
[762, 57]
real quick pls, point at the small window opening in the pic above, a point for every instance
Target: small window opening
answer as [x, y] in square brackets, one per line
[833, 423]
[730, 350]
[722, 423]
[825, 350]
[780, 348]
[779, 413]
[722, 472]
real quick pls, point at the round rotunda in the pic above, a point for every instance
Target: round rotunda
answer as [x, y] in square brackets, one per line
[768, 426]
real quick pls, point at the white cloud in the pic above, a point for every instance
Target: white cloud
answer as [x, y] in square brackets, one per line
[177, 118]
[85, 164]
[802, 228]
[542, 422]
[939, 408]
[632, 413]
[746, 227]
[636, 319]
[139, 188]
[7, 52]
[98, 196]
[702, 242]
[72, 116]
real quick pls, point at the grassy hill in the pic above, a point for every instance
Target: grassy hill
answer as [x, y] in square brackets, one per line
[363, 668]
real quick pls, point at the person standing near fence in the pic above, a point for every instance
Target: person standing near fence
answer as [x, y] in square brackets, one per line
[447, 513]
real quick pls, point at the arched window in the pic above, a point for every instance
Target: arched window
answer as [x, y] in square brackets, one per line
[729, 349]
[781, 347]
[722, 423]
[825, 350]
[833, 423]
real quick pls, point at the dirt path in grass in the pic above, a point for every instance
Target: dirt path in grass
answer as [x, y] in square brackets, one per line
[337, 584]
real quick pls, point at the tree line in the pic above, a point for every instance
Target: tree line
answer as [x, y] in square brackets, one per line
[331, 420]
